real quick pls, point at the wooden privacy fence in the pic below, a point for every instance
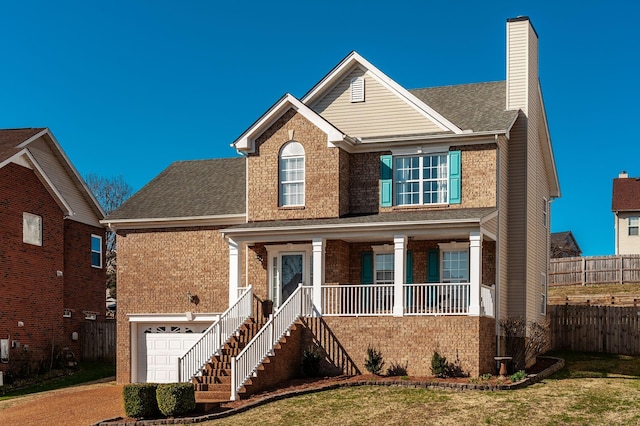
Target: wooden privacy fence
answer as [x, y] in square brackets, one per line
[608, 329]
[98, 340]
[620, 269]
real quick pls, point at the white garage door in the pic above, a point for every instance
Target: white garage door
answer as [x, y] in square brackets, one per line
[159, 347]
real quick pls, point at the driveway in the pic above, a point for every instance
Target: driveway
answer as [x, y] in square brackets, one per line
[77, 405]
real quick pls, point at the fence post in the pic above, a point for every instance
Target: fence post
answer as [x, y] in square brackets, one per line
[584, 271]
[621, 269]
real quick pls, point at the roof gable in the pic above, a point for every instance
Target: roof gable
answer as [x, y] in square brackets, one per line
[389, 101]
[246, 141]
[39, 150]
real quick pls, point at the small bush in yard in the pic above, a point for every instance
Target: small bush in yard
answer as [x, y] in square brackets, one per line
[140, 400]
[311, 358]
[374, 362]
[398, 369]
[516, 377]
[176, 399]
[443, 369]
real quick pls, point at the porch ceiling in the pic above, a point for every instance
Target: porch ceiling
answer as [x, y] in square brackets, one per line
[419, 225]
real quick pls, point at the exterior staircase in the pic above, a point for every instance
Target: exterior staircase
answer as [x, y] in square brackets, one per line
[214, 385]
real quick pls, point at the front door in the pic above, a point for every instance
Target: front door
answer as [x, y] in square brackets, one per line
[288, 273]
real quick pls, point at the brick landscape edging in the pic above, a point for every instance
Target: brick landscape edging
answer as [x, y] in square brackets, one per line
[429, 384]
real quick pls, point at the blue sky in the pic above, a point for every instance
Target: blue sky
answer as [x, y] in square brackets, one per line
[128, 87]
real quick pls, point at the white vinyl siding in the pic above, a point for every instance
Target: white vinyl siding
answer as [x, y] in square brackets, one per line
[382, 113]
[64, 181]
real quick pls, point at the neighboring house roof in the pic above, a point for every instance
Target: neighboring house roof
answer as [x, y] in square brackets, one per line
[38, 149]
[626, 194]
[564, 244]
[202, 188]
[479, 107]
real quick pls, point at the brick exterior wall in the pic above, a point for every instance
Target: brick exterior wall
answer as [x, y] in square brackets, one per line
[364, 180]
[32, 293]
[84, 285]
[404, 339]
[156, 269]
[323, 185]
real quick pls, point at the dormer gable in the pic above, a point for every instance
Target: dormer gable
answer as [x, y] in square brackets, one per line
[364, 102]
[246, 142]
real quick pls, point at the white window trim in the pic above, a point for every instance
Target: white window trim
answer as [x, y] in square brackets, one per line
[282, 183]
[454, 246]
[421, 156]
[28, 236]
[92, 251]
[544, 293]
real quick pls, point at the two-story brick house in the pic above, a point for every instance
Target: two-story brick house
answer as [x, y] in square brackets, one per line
[414, 217]
[51, 249]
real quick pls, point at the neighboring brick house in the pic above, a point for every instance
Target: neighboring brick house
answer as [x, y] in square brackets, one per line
[51, 249]
[625, 205]
[416, 217]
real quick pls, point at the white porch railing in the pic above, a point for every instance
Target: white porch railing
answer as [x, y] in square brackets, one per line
[245, 364]
[194, 360]
[360, 300]
[376, 300]
[487, 300]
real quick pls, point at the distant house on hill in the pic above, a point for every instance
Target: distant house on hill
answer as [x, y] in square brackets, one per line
[564, 244]
[626, 210]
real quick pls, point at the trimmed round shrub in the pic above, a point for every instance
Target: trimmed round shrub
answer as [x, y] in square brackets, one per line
[176, 399]
[140, 400]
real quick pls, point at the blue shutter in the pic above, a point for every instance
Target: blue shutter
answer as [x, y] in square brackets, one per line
[408, 279]
[433, 266]
[386, 180]
[366, 268]
[455, 178]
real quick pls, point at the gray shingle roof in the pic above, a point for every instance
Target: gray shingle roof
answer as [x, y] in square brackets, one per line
[440, 215]
[10, 138]
[477, 106]
[190, 189]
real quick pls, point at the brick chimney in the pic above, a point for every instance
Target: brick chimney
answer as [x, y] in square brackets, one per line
[522, 64]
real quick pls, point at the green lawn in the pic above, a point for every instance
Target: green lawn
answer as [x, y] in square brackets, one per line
[593, 389]
[85, 372]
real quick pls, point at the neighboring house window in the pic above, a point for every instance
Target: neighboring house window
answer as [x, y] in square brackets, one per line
[32, 229]
[545, 212]
[292, 173]
[633, 225]
[543, 290]
[96, 251]
[357, 89]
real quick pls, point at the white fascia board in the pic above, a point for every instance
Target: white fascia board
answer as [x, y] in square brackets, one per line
[345, 230]
[428, 140]
[173, 317]
[175, 222]
[246, 142]
[42, 175]
[548, 149]
[354, 58]
[69, 164]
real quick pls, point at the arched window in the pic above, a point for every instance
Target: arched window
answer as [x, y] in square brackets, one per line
[292, 174]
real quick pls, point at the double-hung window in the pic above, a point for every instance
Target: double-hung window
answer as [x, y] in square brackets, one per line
[422, 179]
[633, 225]
[96, 251]
[292, 175]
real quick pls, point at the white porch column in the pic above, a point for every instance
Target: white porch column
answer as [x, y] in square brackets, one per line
[475, 272]
[318, 273]
[399, 257]
[235, 274]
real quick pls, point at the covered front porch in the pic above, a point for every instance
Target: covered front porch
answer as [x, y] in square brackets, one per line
[390, 264]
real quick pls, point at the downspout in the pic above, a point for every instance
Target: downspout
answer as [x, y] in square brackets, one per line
[497, 291]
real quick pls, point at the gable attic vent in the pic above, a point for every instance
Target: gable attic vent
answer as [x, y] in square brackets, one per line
[357, 89]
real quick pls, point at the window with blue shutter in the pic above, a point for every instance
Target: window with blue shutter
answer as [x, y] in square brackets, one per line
[455, 177]
[386, 181]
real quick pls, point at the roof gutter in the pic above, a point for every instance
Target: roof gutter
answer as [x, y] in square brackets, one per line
[175, 222]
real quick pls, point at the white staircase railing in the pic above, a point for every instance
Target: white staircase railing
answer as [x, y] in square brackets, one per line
[245, 364]
[194, 360]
